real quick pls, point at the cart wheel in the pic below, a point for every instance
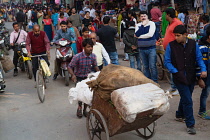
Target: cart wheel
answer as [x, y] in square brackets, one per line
[95, 129]
[147, 132]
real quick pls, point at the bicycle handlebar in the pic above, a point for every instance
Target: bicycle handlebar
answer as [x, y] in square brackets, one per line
[39, 55]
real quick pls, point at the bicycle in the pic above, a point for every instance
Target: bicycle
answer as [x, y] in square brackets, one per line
[41, 77]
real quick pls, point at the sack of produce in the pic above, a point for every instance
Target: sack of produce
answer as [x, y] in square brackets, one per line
[113, 77]
[7, 64]
[131, 101]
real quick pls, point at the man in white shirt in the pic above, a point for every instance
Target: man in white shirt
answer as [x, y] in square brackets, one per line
[99, 51]
[92, 11]
[29, 14]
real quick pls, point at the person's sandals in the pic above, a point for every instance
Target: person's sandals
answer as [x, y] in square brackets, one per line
[191, 130]
[79, 112]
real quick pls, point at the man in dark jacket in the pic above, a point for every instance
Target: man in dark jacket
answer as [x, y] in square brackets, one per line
[21, 19]
[204, 83]
[131, 45]
[180, 59]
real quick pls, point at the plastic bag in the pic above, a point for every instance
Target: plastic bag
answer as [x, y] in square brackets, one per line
[131, 101]
[30, 25]
[82, 92]
[45, 67]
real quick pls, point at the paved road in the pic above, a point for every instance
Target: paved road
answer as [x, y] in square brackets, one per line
[23, 117]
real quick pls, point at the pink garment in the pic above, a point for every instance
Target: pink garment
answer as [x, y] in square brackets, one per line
[57, 1]
[155, 14]
[14, 35]
[47, 21]
[64, 19]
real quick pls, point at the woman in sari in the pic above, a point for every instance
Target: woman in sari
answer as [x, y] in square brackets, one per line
[48, 27]
[40, 15]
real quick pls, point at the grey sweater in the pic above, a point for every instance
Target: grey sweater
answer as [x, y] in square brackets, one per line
[76, 21]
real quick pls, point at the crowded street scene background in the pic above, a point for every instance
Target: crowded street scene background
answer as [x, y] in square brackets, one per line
[167, 40]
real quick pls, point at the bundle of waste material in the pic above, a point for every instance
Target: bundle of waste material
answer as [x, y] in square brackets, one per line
[114, 77]
[7, 64]
[82, 92]
[131, 101]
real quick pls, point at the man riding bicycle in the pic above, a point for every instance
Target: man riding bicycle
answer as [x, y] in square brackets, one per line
[37, 43]
[66, 33]
[17, 36]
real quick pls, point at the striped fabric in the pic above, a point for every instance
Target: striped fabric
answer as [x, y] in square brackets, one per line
[204, 51]
[82, 64]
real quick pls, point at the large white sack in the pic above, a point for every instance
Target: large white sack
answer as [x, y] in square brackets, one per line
[82, 92]
[130, 101]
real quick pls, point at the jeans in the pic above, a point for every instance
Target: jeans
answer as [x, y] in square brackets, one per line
[35, 64]
[149, 60]
[132, 61]
[114, 58]
[22, 24]
[157, 31]
[204, 96]
[173, 86]
[185, 108]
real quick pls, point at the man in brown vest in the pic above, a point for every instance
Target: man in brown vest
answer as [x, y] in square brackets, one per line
[37, 43]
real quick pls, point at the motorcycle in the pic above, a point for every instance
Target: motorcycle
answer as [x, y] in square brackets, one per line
[64, 54]
[2, 44]
[5, 33]
[2, 82]
[24, 62]
[6, 36]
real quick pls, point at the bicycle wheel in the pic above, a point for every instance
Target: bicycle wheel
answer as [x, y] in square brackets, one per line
[40, 85]
[160, 67]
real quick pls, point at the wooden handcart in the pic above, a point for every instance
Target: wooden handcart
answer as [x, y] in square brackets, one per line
[104, 121]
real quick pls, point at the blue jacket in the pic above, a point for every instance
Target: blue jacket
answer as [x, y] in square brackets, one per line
[205, 51]
[68, 34]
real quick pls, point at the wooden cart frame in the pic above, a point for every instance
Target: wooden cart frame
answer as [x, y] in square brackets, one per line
[103, 121]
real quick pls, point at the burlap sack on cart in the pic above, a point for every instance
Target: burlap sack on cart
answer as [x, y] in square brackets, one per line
[131, 101]
[113, 77]
[7, 64]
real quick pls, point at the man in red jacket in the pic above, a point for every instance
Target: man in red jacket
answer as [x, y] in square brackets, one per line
[37, 43]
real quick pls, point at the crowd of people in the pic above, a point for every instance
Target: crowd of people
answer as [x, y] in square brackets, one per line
[94, 46]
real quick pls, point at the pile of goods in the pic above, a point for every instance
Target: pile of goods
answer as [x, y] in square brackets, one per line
[127, 89]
